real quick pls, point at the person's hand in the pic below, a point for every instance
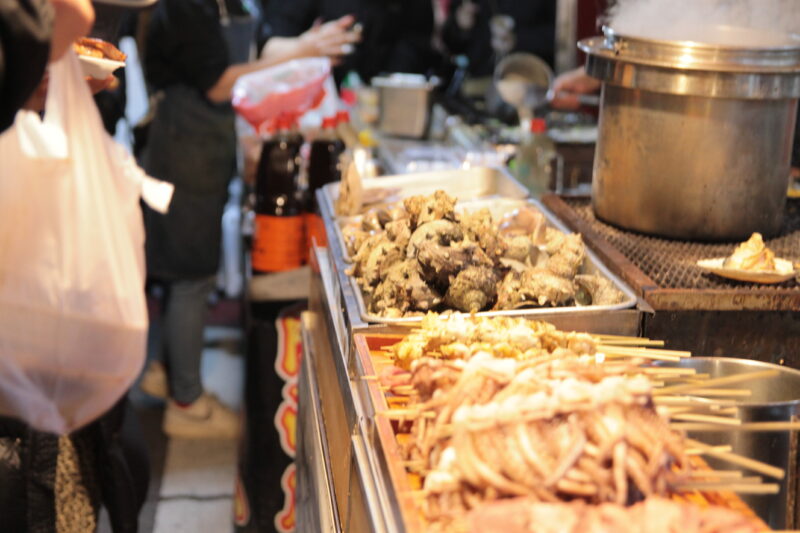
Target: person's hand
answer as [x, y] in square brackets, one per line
[568, 86]
[39, 97]
[73, 19]
[333, 39]
[96, 85]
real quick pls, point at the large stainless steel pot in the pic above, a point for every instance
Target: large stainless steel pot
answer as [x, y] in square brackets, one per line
[774, 399]
[694, 139]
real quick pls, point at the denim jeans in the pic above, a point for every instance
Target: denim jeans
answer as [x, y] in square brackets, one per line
[185, 309]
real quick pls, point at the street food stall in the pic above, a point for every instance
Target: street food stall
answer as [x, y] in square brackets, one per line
[475, 359]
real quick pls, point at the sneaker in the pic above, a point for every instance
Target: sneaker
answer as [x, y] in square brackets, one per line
[154, 380]
[206, 418]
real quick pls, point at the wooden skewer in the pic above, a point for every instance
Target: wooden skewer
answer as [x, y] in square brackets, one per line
[744, 426]
[746, 462]
[619, 337]
[698, 451]
[369, 378]
[727, 380]
[727, 474]
[711, 419]
[630, 342]
[636, 350]
[688, 400]
[668, 371]
[741, 488]
[612, 352]
[742, 393]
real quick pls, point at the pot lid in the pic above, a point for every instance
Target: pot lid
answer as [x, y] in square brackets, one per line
[723, 49]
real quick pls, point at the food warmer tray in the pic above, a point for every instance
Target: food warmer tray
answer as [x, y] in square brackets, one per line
[498, 208]
[464, 184]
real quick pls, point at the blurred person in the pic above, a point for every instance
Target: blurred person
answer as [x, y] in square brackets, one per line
[396, 35]
[195, 50]
[32, 34]
[51, 482]
[486, 30]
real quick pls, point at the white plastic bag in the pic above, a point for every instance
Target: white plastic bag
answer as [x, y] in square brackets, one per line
[73, 317]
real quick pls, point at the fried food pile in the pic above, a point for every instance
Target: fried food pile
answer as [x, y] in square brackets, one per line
[424, 256]
[90, 47]
[654, 515]
[539, 416]
[752, 255]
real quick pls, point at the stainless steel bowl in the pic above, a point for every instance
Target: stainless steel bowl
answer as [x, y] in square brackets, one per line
[694, 139]
[774, 399]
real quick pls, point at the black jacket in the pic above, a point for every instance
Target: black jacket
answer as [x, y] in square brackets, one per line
[113, 462]
[25, 29]
[396, 33]
[534, 27]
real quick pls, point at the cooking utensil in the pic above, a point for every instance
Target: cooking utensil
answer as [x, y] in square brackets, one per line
[522, 80]
[405, 104]
[775, 399]
[694, 138]
[784, 271]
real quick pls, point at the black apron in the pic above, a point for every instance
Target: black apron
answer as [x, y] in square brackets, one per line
[192, 144]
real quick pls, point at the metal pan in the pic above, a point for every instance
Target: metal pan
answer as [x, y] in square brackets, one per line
[498, 208]
[464, 184]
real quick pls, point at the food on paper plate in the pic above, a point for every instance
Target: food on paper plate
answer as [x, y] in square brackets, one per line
[752, 255]
[98, 48]
[752, 262]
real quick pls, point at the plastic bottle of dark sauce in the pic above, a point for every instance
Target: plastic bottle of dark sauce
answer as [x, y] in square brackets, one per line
[278, 235]
[323, 168]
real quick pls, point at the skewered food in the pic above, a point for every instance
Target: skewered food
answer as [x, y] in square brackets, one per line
[91, 47]
[752, 255]
[549, 439]
[654, 515]
[459, 336]
[514, 415]
[468, 261]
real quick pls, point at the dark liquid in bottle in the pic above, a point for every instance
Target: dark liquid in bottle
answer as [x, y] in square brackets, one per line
[278, 237]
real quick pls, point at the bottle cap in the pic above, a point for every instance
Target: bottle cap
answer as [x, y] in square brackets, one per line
[329, 122]
[538, 125]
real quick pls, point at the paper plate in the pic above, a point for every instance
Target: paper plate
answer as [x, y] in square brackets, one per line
[784, 270]
[98, 67]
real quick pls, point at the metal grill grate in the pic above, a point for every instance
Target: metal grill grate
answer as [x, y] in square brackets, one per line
[671, 263]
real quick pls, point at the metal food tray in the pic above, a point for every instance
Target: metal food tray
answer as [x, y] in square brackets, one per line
[498, 208]
[464, 184]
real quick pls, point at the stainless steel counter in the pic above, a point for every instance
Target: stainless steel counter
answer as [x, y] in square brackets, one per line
[352, 491]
